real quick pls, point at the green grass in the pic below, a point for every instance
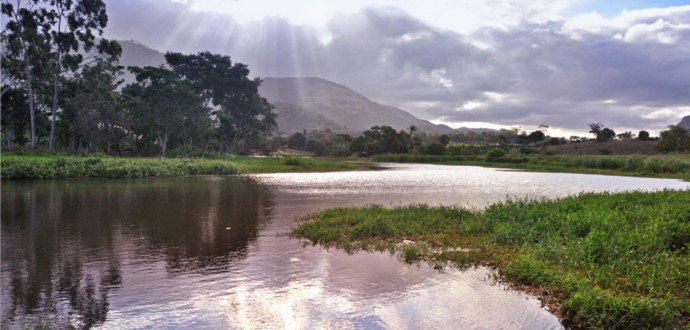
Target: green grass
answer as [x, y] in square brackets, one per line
[606, 261]
[663, 166]
[53, 166]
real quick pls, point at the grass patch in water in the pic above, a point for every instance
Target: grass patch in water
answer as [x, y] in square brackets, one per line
[608, 261]
[666, 166]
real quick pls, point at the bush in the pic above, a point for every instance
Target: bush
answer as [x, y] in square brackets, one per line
[495, 154]
[433, 149]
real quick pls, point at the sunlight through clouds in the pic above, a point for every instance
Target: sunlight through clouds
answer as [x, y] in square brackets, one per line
[501, 62]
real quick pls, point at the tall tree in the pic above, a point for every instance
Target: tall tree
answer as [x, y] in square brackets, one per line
[244, 118]
[92, 110]
[25, 40]
[160, 102]
[75, 24]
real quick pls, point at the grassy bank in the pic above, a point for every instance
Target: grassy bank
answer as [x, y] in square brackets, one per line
[662, 166]
[51, 166]
[609, 261]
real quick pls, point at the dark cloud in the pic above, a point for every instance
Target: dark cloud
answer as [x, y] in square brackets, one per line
[632, 73]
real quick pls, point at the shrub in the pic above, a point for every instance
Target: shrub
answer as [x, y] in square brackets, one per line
[495, 154]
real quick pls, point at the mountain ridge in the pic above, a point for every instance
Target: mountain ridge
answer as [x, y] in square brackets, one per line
[306, 103]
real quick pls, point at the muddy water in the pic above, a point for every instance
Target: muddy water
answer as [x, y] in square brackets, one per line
[204, 252]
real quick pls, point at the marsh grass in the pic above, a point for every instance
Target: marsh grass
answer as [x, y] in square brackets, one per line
[608, 261]
[671, 166]
[53, 166]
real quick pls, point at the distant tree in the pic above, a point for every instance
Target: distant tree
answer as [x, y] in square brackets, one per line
[316, 147]
[643, 135]
[536, 136]
[380, 140]
[15, 118]
[606, 134]
[674, 139]
[444, 139]
[434, 148]
[627, 135]
[297, 140]
[595, 128]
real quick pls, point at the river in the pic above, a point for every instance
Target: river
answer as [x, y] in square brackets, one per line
[206, 252]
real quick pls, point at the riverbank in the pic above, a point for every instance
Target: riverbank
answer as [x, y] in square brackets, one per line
[614, 261]
[656, 166]
[51, 166]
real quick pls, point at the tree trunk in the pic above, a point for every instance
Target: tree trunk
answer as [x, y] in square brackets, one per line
[54, 111]
[30, 92]
[56, 90]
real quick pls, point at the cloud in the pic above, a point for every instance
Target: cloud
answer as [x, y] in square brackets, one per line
[630, 72]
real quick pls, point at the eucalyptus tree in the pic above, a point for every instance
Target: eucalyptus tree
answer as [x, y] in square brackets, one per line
[74, 25]
[243, 118]
[25, 47]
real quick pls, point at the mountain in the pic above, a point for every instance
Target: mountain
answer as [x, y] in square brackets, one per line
[339, 104]
[685, 122]
[306, 103]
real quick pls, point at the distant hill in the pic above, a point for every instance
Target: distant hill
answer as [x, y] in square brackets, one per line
[306, 103]
[338, 104]
[685, 122]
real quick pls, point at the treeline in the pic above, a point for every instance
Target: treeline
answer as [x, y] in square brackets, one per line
[62, 87]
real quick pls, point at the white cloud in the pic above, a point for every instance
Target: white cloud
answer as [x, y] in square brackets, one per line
[535, 67]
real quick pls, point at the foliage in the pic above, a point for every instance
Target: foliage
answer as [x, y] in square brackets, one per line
[615, 261]
[381, 140]
[643, 136]
[14, 167]
[244, 118]
[495, 154]
[162, 103]
[434, 148]
[674, 139]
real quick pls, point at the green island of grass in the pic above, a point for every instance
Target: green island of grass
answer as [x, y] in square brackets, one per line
[676, 166]
[600, 260]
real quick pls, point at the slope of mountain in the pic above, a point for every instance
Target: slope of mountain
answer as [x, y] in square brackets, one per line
[305, 103]
[340, 104]
[685, 122]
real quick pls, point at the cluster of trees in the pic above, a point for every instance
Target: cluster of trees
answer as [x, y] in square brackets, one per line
[62, 85]
[674, 139]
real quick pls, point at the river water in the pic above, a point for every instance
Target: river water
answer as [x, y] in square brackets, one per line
[205, 252]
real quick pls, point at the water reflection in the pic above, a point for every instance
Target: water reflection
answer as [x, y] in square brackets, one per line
[63, 241]
[203, 252]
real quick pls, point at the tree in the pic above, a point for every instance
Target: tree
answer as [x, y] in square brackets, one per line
[595, 128]
[536, 136]
[15, 118]
[643, 136]
[444, 140]
[606, 134]
[244, 118]
[161, 102]
[25, 45]
[92, 110]
[674, 139]
[380, 140]
[297, 140]
[73, 28]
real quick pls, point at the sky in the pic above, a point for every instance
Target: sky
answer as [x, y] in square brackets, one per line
[493, 63]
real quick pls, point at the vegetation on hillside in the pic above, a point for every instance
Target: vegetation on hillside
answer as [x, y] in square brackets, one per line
[605, 261]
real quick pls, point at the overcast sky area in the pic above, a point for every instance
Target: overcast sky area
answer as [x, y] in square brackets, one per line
[497, 63]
